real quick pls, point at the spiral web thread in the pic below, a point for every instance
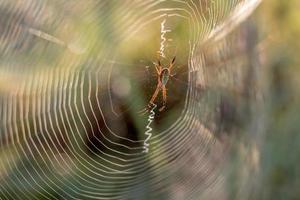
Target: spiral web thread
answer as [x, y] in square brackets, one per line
[57, 59]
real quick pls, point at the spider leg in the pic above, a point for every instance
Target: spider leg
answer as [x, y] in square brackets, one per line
[172, 63]
[155, 94]
[157, 69]
[164, 92]
[151, 102]
[158, 62]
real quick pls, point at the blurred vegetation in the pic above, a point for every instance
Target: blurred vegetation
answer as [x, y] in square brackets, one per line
[279, 23]
[78, 83]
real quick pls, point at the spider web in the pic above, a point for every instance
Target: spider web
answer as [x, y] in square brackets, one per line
[74, 76]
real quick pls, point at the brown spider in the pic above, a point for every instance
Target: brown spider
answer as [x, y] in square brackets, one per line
[163, 75]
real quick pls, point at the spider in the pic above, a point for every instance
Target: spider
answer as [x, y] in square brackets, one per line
[163, 75]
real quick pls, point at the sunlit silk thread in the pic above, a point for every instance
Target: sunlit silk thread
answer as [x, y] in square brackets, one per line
[163, 39]
[148, 132]
[72, 47]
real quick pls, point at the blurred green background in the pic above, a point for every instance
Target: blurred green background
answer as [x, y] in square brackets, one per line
[76, 77]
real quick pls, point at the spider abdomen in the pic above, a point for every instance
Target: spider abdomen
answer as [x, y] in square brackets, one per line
[164, 76]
